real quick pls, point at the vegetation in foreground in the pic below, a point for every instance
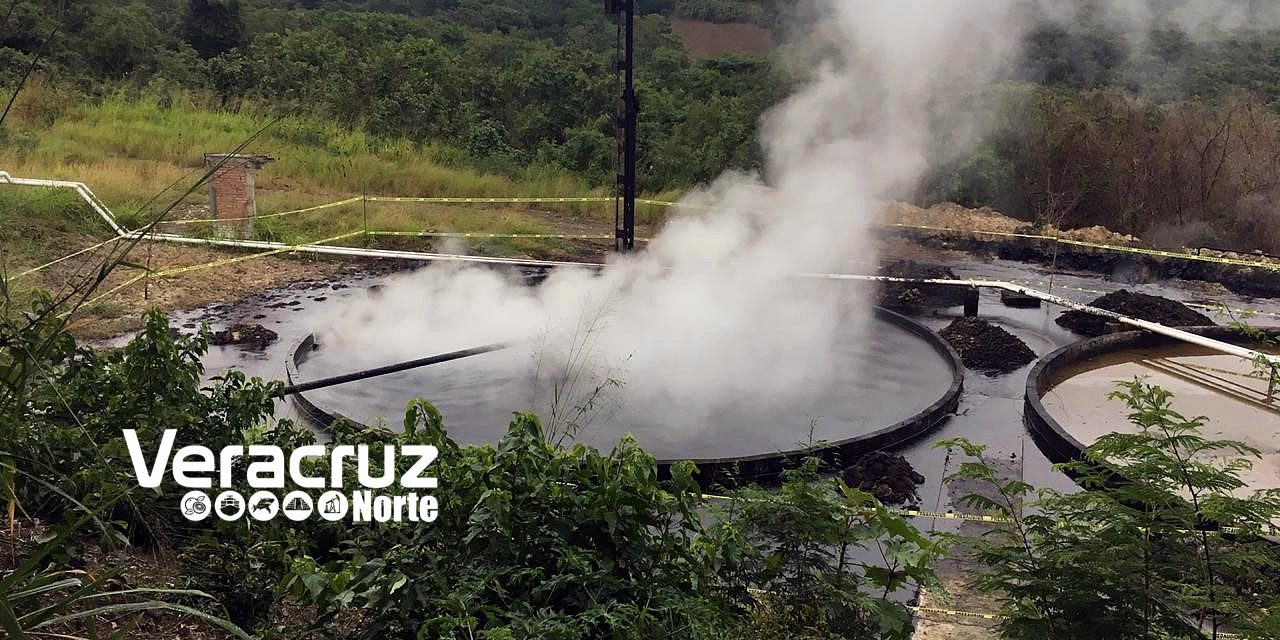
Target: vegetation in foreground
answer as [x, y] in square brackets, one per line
[540, 540]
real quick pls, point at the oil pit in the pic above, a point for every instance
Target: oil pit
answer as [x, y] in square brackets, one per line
[1068, 406]
[888, 380]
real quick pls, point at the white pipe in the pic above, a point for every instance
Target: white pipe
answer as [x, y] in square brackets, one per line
[368, 253]
[1185, 336]
[79, 187]
[1178, 334]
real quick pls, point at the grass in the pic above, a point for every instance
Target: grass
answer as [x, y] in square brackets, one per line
[128, 148]
[37, 222]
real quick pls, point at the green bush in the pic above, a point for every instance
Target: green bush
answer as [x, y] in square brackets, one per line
[1162, 543]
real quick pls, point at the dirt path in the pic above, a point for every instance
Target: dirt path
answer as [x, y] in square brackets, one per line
[959, 598]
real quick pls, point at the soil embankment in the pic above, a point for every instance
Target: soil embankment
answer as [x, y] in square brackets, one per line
[705, 39]
[951, 227]
[1169, 313]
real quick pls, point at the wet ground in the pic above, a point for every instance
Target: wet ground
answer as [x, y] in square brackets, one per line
[990, 410]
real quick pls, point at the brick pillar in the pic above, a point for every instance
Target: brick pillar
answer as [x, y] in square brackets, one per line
[231, 192]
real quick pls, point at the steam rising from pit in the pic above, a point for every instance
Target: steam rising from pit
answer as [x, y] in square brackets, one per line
[711, 316]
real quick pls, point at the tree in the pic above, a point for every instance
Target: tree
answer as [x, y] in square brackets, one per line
[213, 27]
[1164, 542]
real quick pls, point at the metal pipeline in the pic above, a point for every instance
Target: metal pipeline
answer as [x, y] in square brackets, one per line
[390, 368]
[1185, 336]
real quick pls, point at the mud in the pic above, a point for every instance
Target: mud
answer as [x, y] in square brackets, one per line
[890, 478]
[1137, 305]
[252, 336]
[912, 298]
[985, 347]
[1121, 267]
[1019, 300]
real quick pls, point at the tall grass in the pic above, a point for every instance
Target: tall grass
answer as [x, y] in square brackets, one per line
[129, 145]
[126, 147]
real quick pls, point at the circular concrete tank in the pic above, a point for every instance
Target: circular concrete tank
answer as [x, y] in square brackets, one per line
[893, 383]
[1067, 406]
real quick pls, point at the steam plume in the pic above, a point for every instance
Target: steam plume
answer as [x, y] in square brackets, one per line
[711, 314]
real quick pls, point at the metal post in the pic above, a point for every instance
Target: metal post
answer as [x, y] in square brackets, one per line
[625, 230]
[971, 302]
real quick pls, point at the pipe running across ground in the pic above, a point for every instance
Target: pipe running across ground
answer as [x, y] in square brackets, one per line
[1177, 334]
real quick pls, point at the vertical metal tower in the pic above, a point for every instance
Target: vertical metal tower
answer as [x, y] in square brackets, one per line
[624, 214]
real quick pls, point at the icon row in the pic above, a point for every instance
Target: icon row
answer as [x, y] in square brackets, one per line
[263, 505]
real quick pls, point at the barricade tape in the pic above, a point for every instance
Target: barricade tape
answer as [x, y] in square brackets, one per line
[486, 236]
[1198, 305]
[603, 199]
[1273, 266]
[328, 205]
[88, 196]
[210, 265]
[988, 518]
[497, 200]
[66, 257]
[997, 616]
[958, 613]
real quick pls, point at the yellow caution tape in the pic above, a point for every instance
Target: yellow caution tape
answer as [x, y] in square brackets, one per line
[953, 612]
[915, 513]
[210, 265]
[979, 517]
[479, 235]
[498, 200]
[963, 614]
[66, 257]
[328, 205]
[662, 203]
[1198, 305]
[1274, 266]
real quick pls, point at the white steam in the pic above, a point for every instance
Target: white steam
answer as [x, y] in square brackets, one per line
[1201, 20]
[711, 314]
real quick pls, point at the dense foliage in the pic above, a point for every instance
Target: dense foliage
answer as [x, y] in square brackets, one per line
[508, 84]
[1167, 543]
[1156, 130]
[1162, 132]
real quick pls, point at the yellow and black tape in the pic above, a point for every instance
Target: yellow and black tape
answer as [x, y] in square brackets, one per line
[980, 615]
[164, 273]
[319, 207]
[486, 236]
[63, 258]
[494, 200]
[1274, 266]
[953, 612]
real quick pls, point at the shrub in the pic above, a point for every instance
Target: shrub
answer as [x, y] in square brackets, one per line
[1161, 545]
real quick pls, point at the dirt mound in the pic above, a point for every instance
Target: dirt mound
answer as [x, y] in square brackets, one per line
[710, 39]
[889, 478]
[985, 347]
[253, 336]
[949, 215]
[905, 296]
[1136, 305]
